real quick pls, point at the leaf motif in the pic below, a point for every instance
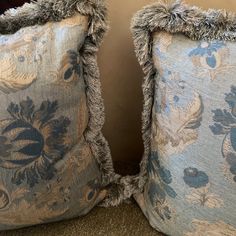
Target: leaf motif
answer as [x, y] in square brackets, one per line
[13, 109]
[203, 198]
[27, 109]
[158, 188]
[10, 80]
[46, 112]
[165, 175]
[197, 52]
[231, 100]
[219, 129]
[156, 193]
[58, 130]
[182, 123]
[153, 164]
[223, 117]
[40, 168]
[195, 118]
[170, 191]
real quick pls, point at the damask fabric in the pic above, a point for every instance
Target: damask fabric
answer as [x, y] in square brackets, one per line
[191, 163]
[48, 167]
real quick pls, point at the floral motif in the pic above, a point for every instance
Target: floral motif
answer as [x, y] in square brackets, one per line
[208, 50]
[225, 124]
[70, 66]
[209, 229]
[32, 141]
[195, 178]
[12, 81]
[23, 206]
[200, 194]
[159, 189]
[178, 115]
[203, 197]
[210, 55]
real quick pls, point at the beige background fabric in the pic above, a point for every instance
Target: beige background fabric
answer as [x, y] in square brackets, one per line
[122, 78]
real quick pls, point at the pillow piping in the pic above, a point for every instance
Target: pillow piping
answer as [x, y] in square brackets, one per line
[175, 17]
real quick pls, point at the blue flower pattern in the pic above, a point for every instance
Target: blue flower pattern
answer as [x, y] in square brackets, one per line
[208, 50]
[159, 187]
[32, 141]
[225, 124]
[193, 198]
[46, 165]
[195, 178]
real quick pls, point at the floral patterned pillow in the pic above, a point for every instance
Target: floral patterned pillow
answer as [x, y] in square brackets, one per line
[51, 112]
[189, 119]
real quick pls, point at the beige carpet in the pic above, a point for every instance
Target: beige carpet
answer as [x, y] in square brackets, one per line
[125, 220]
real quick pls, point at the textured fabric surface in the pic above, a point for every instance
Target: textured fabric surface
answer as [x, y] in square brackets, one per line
[188, 119]
[191, 170]
[47, 168]
[125, 220]
[42, 11]
[54, 160]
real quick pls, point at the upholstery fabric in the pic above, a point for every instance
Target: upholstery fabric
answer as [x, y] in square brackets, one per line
[49, 168]
[191, 161]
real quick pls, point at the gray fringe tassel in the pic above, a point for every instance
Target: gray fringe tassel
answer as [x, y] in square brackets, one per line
[173, 17]
[42, 11]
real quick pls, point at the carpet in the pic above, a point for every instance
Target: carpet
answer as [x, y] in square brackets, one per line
[125, 220]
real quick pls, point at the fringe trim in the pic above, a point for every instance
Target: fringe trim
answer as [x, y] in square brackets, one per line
[42, 11]
[175, 17]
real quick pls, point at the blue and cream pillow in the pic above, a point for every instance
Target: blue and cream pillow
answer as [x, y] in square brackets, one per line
[189, 119]
[51, 116]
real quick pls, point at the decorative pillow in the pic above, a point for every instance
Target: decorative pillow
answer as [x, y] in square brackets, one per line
[54, 161]
[189, 119]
